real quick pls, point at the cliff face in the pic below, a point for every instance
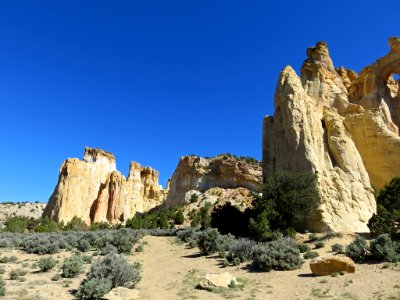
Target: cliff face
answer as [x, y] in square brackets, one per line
[92, 189]
[201, 174]
[343, 127]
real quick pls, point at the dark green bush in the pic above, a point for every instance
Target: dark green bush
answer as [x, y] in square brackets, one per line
[304, 248]
[319, 245]
[288, 201]
[72, 266]
[282, 254]
[358, 249]
[16, 224]
[76, 224]
[338, 248]
[205, 217]
[46, 263]
[310, 255]
[387, 218]
[384, 249]
[179, 218]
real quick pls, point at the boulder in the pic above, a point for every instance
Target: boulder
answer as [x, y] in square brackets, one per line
[223, 280]
[121, 293]
[327, 265]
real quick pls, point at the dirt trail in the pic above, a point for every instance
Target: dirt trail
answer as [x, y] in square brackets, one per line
[171, 271]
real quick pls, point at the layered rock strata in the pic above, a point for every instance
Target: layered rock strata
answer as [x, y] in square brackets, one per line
[93, 190]
[223, 171]
[342, 126]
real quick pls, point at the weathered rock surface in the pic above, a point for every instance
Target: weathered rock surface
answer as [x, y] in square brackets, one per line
[343, 127]
[201, 174]
[93, 190]
[223, 280]
[24, 209]
[323, 266]
[121, 293]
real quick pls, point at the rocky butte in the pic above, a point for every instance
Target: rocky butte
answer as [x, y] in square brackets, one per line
[342, 126]
[93, 190]
[217, 180]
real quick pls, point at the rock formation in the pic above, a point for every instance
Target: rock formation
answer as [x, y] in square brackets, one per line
[20, 209]
[93, 190]
[223, 171]
[343, 127]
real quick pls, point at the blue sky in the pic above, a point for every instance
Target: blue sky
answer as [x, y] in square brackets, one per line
[151, 81]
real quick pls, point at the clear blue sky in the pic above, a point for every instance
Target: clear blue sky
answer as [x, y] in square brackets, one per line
[151, 81]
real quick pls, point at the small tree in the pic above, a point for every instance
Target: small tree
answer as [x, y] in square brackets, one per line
[288, 200]
[387, 218]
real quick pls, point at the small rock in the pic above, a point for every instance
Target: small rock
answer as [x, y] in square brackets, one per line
[121, 293]
[327, 265]
[223, 280]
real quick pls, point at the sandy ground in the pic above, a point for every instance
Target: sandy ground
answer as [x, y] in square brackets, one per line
[172, 271]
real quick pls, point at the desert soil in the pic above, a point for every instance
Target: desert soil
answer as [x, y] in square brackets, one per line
[172, 271]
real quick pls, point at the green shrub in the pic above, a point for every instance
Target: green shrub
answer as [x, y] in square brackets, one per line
[205, 217]
[16, 224]
[310, 255]
[387, 218]
[72, 266]
[107, 273]
[2, 270]
[338, 248]
[46, 263]
[179, 218]
[8, 259]
[304, 248]
[56, 277]
[224, 243]
[319, 245]
[108, 249]
[207, 241]
[99, 226]
[241, 250]
[17, 273]
[83, 245]
[93, 289]
[76, 224]
[139, 248]
[358, 249]
[194, 198]
[384, 249]
[2, 287]
[282, 254]
[288, 201]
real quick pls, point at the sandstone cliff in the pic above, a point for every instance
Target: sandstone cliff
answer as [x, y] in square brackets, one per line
[92, 189]
[340, 125]
[223, 171]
